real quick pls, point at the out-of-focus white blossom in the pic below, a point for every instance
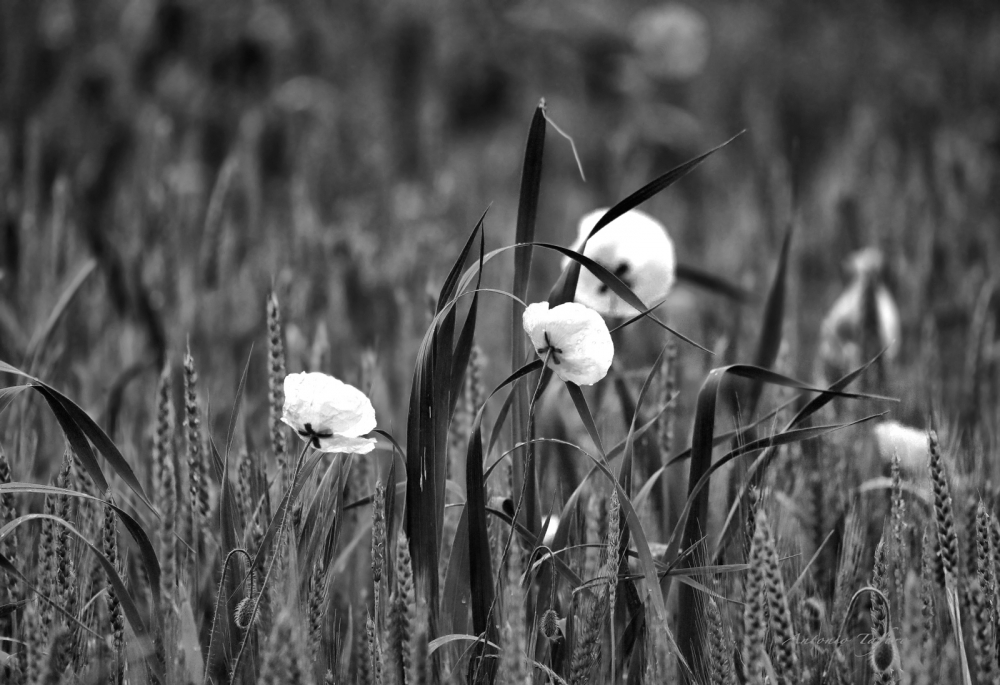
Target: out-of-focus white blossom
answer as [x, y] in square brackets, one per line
[573, 337]
[636, 248]
[842, 330]
[672, 41]
[328, 413]
[909, 443]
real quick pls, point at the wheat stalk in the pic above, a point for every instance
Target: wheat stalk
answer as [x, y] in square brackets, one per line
[275, 384]
[197, 484]
[780, 617]
[755, 659]
[884, 674]
[944, 516]
[719, 650]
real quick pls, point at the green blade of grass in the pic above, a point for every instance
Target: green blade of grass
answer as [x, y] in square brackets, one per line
[769, 342]
[523, 478]
[432, 401]
[129, 608]
[77, 423]
[712, 283]
[757, 470]
[147, 552]
[702, 444]
[66, 296]
[482, 595]
[565, 288]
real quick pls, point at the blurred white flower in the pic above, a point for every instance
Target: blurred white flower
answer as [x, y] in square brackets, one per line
[636, 248]
[842, 330]
[574, 337]
[328, 413]
[909, 443]
[672, 41]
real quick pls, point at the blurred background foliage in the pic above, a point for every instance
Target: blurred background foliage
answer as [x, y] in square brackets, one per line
[341, 150]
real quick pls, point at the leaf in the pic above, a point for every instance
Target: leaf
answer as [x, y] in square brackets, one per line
[523, 473]
[613, 283]
[583, 410]
[565, 288]
[698, 492]
[79, 428]
[757, 470]
[712, 283]
[124, 597]
[72, 287]
[769, 343]
[482, 597]
[146, 550]
[454, 600]
[700, 486]
[432, 402]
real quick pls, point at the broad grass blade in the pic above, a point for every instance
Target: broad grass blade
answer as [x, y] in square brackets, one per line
[79, 429]
[523, 478]
[565, 289]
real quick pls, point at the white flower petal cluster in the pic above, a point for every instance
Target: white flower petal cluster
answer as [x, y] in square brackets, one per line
[636, 248]
[329, 413]
[574, 337]
[842, 329]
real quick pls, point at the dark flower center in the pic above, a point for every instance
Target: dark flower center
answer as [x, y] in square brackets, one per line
[621, 271]
[314, 436]
[550, 349]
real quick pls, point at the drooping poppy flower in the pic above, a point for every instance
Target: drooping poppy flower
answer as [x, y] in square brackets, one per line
[636, 248]
[328, 413]
[843, 329]
[574, 338]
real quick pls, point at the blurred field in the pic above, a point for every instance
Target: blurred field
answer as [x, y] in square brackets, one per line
[164, 165]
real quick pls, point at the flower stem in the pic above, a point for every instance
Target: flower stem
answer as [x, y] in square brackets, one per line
[281, 529]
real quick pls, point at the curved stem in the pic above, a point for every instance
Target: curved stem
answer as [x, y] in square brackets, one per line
[286, 505]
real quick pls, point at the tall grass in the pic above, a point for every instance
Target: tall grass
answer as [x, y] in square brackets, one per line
[694, 518]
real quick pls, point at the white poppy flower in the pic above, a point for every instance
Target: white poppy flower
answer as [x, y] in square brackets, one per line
[575, 339]
[636, 248]
[329, 413]
[842, 329]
